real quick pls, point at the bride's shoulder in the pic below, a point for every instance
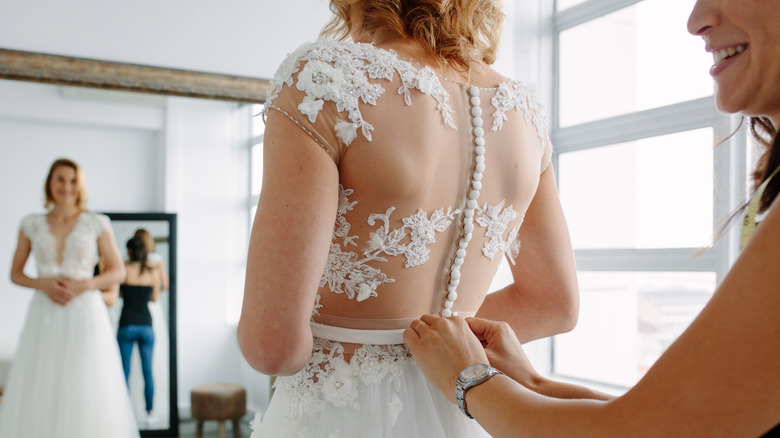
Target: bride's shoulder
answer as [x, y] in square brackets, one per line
[344, 55]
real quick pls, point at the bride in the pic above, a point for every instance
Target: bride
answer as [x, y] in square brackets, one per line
[66, 379]
[399, 169]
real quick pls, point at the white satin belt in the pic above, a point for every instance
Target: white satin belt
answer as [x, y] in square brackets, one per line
[357, 336]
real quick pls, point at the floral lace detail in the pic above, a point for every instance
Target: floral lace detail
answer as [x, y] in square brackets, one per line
[518, 95]
[339, 72]
[328, 378]
[80, 254]
[317, 306]
[346, 273]
[496, 221]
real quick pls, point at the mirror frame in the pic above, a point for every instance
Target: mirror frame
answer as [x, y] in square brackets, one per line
[84, 72]
[173, 429]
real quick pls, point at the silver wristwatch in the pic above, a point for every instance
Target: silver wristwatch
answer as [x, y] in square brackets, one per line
[472, 375]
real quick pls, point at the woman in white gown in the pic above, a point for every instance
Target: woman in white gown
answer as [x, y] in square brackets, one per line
[66, 379]
[398, 169]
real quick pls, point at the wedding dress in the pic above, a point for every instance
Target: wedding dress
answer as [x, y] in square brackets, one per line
[435, 177]
[66, 380]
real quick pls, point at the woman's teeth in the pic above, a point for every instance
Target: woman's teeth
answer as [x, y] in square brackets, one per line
[720, 55]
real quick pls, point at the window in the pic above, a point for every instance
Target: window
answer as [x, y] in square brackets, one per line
[641, 183]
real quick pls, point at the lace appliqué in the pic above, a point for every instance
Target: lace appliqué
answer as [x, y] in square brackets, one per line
[80, 253]
[496, 221]
[339, 72]
[328, 378]
[346, 272]
[518, 95]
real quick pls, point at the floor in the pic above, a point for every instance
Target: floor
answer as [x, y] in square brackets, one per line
[187, 429]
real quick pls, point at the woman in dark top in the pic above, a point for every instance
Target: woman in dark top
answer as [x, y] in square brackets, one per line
[141, 285]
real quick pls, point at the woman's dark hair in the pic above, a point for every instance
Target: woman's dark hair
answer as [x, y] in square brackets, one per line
[766, 134]
[136, 250]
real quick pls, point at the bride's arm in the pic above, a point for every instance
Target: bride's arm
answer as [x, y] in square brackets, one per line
[288, 248]
[543, 300]
[49, 286]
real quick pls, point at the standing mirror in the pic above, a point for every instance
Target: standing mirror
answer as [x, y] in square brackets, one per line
[164, 420]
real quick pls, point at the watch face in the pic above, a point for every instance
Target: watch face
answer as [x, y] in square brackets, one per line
[474, 371]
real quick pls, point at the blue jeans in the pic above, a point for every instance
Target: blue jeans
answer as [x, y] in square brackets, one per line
[144, 336]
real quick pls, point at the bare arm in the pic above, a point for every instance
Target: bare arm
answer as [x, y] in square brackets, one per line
[50, 286]
[288, 248]
[163, 275]
[543, 300]
[113, 267]
[110, 295]
[718, 379]
[157, 282]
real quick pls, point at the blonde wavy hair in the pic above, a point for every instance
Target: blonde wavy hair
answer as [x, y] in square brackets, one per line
[459, 32]
[81, 185]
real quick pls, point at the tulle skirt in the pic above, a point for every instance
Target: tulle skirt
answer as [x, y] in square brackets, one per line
[379, 393]
[66, 380]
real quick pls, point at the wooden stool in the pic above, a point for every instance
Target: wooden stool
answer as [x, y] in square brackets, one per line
[219, 401]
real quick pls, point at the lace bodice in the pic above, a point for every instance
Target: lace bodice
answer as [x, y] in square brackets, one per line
[80, 254]
[341, 94]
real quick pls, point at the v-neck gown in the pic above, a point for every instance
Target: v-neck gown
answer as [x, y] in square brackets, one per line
[66, 379]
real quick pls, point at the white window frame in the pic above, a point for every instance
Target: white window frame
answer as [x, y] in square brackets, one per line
[729, 161]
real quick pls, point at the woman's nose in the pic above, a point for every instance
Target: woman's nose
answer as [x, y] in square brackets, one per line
[702, 17]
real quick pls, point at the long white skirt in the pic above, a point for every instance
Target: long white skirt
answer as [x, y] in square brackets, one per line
[66, 379]
[379, 393]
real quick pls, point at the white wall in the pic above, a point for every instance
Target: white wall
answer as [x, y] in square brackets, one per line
[238, 37]
[210, 141]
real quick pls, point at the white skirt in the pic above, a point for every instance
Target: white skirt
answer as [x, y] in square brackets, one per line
[379, 393]
[66, 379]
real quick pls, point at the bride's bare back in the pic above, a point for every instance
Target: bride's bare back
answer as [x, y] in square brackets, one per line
[392, 188]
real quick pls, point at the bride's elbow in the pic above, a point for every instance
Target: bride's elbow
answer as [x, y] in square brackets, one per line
[271, 353]
[566, 309]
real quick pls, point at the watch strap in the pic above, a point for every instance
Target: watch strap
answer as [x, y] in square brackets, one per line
[461, 386]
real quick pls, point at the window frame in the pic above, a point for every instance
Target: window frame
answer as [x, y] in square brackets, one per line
[729, 162]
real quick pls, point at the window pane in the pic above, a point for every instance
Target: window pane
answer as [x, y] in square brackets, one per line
[627, 320]
[651, 193]
[637, 58]
[252, 213]
[256, 171]
[565, 4]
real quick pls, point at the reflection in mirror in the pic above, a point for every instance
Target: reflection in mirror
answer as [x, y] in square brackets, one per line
[155, 410]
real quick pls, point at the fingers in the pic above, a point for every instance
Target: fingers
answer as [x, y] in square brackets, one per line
[478, 325]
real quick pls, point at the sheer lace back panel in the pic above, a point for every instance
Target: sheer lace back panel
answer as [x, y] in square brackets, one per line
[402, 137]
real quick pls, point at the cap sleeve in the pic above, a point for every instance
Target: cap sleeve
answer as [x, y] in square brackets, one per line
[30, 225]
[536, 112]
[306, 91]
[101, 223]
